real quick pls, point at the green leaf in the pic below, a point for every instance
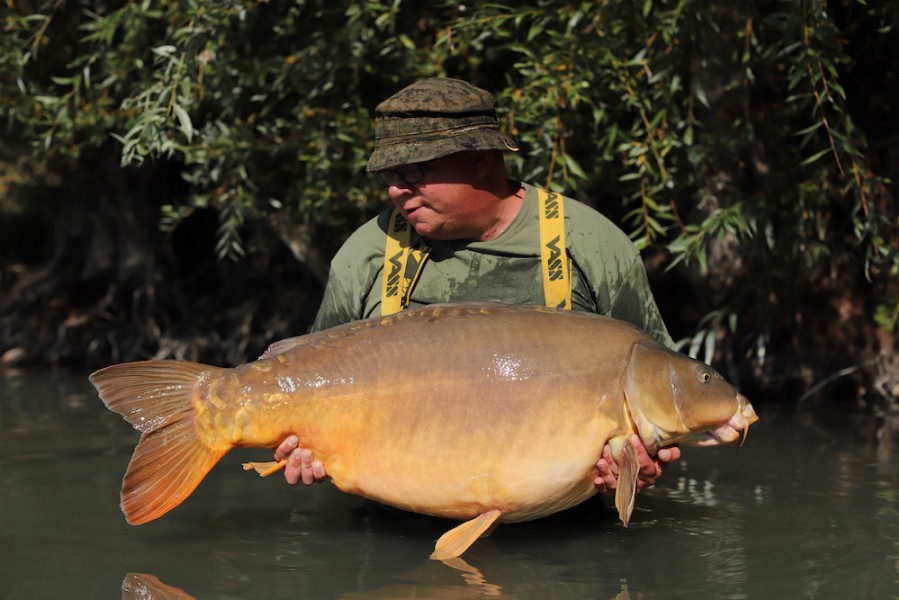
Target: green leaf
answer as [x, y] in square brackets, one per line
[815, 157]
[699, 92]
[813, 127]
[536, 29]
[574, 167]
[165, 50]
[184, 122]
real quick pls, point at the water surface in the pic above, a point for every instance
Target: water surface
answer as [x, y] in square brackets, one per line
[803, 510]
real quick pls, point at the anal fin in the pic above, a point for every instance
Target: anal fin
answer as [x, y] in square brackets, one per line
[457, 540]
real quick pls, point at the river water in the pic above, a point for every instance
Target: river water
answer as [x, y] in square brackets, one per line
[803, 510]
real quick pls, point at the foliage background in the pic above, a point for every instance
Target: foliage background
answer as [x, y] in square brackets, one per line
[177, 175]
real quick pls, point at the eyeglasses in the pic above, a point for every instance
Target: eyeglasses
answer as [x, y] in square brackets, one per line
[408, 174]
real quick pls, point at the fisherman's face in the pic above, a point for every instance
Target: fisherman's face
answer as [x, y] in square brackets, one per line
[445, 203]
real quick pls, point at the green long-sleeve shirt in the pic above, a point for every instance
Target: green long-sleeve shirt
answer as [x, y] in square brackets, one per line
[607, 273]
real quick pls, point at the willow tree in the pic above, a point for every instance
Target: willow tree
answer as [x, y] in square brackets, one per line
[744, 147]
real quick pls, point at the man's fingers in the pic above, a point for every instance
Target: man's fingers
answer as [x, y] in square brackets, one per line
[288, 450]
[669, 455]
[648, 467]
[605, 480]
[301, 463]
[284, 449]
[606, 472]
[306, 468]
[611, 465]
[293, 472]
[607, 453]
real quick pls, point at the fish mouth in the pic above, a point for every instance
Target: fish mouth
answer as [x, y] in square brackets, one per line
[737, 428]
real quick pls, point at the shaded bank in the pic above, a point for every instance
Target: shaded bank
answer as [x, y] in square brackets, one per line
[96, 281]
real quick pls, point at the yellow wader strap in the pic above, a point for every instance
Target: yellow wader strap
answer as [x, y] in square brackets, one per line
[402, 265]
[553, 255]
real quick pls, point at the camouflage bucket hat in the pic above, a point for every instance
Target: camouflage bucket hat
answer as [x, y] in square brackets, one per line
[433, 118]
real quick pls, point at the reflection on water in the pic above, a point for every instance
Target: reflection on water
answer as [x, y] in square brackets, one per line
[798, 512]
[144, 586]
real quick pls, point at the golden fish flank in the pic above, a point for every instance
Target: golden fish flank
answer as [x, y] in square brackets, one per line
[478, 412]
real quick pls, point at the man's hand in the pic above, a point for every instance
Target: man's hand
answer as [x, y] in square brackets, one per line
[301, 465]
[650, 469]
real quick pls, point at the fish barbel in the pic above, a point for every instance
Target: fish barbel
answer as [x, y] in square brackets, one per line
[484, 413]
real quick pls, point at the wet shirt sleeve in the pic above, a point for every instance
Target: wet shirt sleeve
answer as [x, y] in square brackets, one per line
[355, 270]
[633, 302]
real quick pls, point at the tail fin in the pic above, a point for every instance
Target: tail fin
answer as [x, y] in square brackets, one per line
[170, 459]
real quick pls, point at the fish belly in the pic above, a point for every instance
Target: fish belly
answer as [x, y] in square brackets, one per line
[451, 413]
[450, 457]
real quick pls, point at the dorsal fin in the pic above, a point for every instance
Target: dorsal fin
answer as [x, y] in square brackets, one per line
[282, 346]
[328, 337]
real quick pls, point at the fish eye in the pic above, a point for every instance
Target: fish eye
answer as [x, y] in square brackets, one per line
[705, 377]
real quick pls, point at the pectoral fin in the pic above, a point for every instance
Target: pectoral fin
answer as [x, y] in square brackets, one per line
[457, 540]
[628, 469]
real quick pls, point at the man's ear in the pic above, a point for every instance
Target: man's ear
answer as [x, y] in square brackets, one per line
[482, 162]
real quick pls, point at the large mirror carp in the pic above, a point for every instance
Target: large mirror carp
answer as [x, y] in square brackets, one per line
[484, 413]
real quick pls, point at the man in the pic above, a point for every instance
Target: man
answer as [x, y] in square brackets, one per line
[475, 235]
